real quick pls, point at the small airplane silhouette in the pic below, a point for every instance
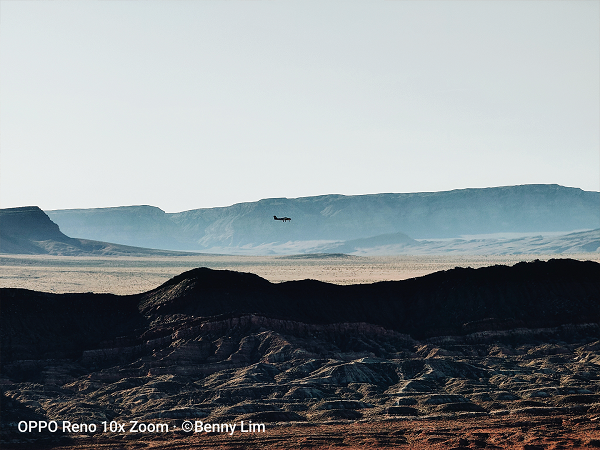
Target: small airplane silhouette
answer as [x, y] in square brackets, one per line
[285, 219]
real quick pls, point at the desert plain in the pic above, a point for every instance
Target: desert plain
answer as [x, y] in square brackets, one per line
[123, 275]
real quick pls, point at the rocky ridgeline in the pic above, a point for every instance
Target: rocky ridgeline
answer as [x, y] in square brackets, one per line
[211, 345]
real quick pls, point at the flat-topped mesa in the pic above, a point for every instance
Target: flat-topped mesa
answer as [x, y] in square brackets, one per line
[29, 230]
[28, 222]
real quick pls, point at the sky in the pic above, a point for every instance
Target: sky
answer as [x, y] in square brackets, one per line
[194, 104]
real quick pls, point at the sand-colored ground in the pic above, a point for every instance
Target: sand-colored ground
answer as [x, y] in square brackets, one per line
[129, 275]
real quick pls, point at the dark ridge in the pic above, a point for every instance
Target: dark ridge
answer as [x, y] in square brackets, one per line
[40, 324]
[211, 278]
[211, 345]
[206, 292]
[536, 294]
[454, 302]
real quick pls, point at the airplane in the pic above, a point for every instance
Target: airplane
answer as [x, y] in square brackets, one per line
[285, 219]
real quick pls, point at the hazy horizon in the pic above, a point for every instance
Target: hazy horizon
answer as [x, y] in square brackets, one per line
[187, 105]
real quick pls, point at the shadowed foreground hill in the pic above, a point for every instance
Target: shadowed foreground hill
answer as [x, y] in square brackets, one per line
[534, 294]
[518, 343]
[454, 302]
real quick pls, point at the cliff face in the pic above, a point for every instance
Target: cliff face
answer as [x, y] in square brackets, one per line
[426, 215]
[29, 222]
[22, 229]
[223, 346]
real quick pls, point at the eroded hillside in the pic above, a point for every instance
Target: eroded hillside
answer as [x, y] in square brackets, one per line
[515, 344]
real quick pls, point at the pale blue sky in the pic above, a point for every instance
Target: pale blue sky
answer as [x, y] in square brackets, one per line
[189, 104]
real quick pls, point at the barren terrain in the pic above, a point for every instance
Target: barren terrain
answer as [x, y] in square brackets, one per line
[517, 432]
[498, 357]
[130, 275]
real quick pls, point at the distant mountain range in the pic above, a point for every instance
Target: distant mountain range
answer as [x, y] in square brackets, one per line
[517, 219]
[341, 223]
[28, 230]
